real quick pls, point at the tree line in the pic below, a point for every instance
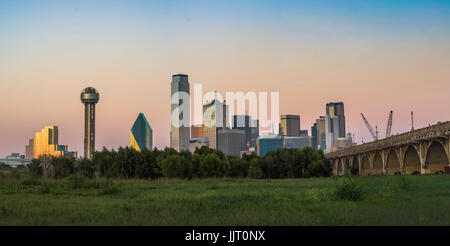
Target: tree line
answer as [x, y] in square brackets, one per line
[203, 163]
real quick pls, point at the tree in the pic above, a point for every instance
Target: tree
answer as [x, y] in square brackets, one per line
[176, 166]
[62, 166]
[237, 167]
[35, 168]
[254, 170]
[86, 168]
[212, 166]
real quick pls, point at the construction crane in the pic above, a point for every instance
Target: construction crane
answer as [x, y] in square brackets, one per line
[389, 125]
[375, 137]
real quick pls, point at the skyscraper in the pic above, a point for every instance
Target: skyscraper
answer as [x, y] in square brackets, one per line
[250, 126]
[215, 117]
[336, 109]
[89, 97]
[331, 134]
[321, 133]
[141, 135]
[29, 149]
[180, 112]
[290, 125]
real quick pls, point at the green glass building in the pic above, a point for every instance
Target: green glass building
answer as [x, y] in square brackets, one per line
[141, 134]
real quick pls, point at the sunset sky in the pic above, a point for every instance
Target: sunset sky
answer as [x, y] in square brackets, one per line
[375, 56]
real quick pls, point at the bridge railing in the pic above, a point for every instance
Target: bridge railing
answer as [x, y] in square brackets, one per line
[440, 129]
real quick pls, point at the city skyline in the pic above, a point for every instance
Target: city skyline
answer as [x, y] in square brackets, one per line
[393, 57]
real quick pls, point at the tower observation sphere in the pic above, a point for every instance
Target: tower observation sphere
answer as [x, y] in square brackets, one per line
[89, 97]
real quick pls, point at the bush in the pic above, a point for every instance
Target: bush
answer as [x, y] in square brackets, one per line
[403, 184]
[108, 188]
[31, 182]
[45, 188]
[316, 194]
[76, 181]
[348, 189]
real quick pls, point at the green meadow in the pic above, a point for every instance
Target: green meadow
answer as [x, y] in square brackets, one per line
[372, 200]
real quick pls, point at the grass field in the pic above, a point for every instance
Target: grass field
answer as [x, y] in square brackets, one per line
[387, 200]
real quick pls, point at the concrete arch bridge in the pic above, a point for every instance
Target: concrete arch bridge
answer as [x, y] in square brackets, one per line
[422, 151]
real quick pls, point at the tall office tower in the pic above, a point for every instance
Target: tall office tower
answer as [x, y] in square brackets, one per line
[251, 128]
[141, 135]
[321, 133]
[46, 142]
[331, 136]
[29, 149]
[336, 109]
[89, 97]
[290, 125]
[314, 136]
[180, 112]
[215, 117]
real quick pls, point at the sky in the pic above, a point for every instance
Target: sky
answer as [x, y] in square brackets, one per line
[375, 56]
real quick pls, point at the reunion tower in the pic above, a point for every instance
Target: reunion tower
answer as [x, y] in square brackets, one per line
[89, 97]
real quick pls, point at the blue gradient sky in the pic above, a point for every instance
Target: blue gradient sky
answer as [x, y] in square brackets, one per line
[372, 55]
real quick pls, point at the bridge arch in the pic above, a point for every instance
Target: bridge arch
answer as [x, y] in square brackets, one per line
[365, 166]
[377, 166]
[436, 160]
[392, 163]
[355, 166]
[411, 161]
[348, 165]
[339, 167]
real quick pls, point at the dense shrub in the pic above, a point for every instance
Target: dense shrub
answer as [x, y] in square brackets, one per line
[348, 189]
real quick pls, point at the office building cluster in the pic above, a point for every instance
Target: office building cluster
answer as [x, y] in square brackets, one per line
[290, 136]
[242, 136]
[328, 132]
[216, 132]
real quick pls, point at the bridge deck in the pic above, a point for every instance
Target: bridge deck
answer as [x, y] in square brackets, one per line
[434, 131]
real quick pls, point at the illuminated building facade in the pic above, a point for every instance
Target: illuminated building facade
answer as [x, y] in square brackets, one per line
[45, 142]
[141, 135]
